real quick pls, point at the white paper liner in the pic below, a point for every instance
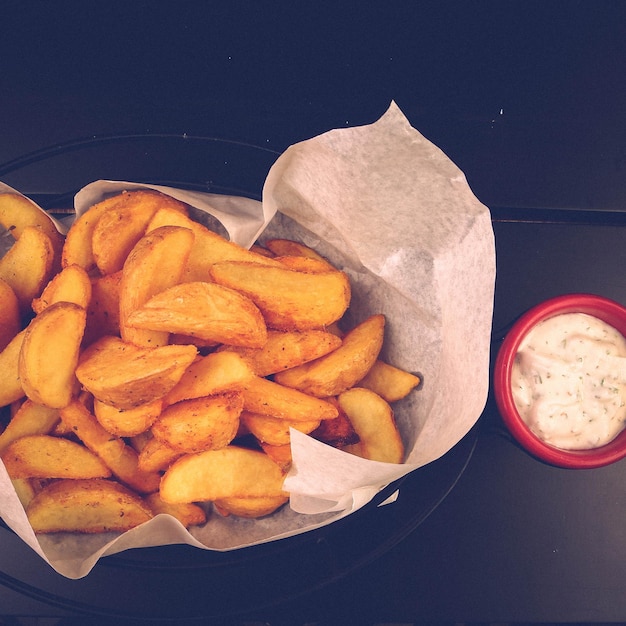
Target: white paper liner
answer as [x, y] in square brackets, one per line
[389, 208]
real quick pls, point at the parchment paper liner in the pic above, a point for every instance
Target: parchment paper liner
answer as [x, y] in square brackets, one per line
[389, 208]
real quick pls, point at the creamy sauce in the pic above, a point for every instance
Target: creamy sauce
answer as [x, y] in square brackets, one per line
[569, 381]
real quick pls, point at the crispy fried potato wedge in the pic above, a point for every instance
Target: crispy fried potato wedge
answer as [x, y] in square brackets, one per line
[45, 456]
[187, 513]
[157, 456]
[204, 310]
[389, 382]
[18, 212]
[10, 385]
[337, 432]
[215, 373]
[125, 375]
[208, 247]
[269, 398]
[281, 455]
[155, 263]
[373, 421]
[224, 473]
[30, 419]
[273, 430]
[117, 230]
[286, 349]
[305, 264]
[10, 315]
[200, 424]
[288, 299]
[251, 507]
[49, 354]
[288, 247]
[25, 490]
[28, 265]
[71, 284]
[103, 312]
[120, 457]
[86, 506]
[127, 422]
[342, 368]
[77, 249]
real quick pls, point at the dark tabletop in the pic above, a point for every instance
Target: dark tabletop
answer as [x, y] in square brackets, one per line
[528, 98]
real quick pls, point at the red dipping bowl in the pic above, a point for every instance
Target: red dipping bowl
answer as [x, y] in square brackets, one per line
[604, 309]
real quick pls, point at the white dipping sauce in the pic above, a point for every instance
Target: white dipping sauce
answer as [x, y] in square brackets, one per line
[569, 381]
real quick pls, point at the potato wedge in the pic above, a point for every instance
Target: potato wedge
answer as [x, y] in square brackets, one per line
[157, 456]
[30, 419]
[281, 455]
[273, 430]
[389, 382]
[120, 457]
[204, 310]
[373, 421]
[71, 284]
[289, 300]
[117, 230]
[208, 247]
[127, 422]
[10, 315]
[125, 375]
[215, 373]
[187, 513]
[86, 506]
[49, 354]
[342, 368]
[10, 385]
[25, 490]
[155, 263]
[305, 264]
[45, 456]
[251, 507]
[337, 432]
[103, 312]
[18, 212]
[287, 247]
[214, 474]
[28, 265]
[200, 424]
[269, 398]
[286, 349]
[77, 249]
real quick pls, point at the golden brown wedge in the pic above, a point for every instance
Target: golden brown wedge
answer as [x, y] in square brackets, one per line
[284, 350]
[269, 398]
[156, 263]
[86, 506]
[288, 299]
[71, 284]
[199, 424]
[342, 368]
[204, 310]
[28, 265]
[45, 456]
[224, 473]
[126, 376]
[120, 457]
[30, 419]
[373, 420]
[49, 354]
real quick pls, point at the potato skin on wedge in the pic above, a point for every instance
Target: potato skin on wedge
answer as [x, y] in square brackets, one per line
[94, 505]
[216, 474]
[288, 299]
